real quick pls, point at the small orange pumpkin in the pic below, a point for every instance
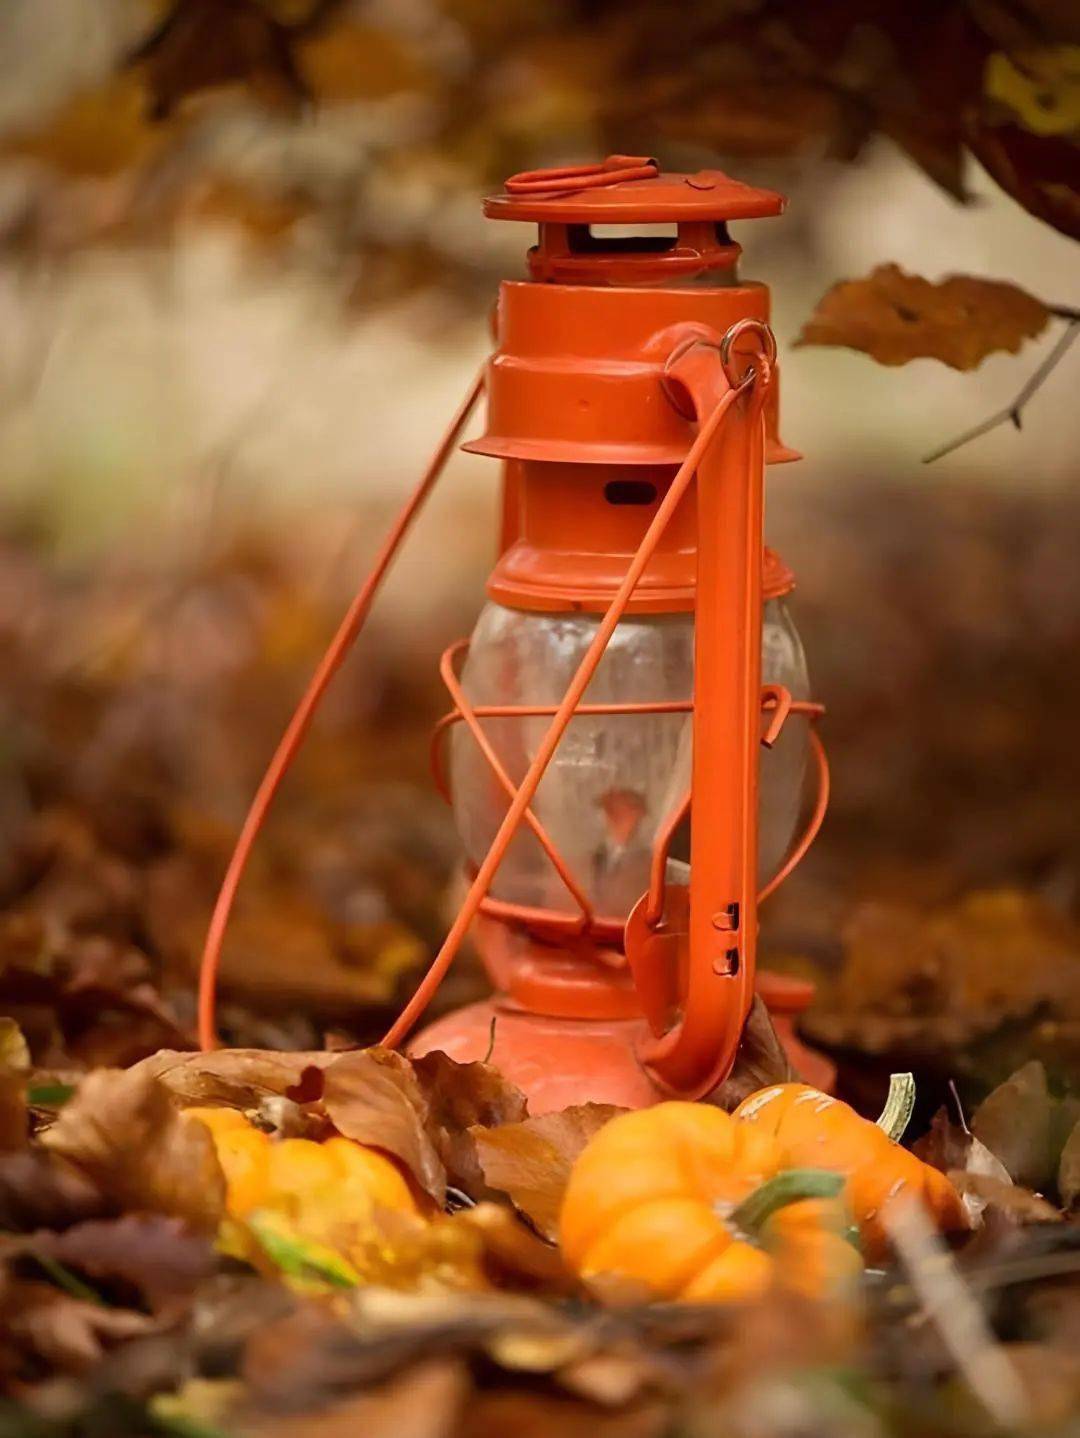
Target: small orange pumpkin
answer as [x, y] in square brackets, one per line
[299, 1177]
[812, 1128]
[691, 1204]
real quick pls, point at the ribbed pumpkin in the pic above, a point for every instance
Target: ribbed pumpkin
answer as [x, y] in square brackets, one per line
[684, 1200]
[303, 1180]
[811, 1128]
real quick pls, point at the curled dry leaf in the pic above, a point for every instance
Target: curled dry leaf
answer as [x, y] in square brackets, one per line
[530, 1161]
[124, 1133]
[956, 1151]
[420, 1111]
[241, 1078]
[980, 1192]
[459, 1097]
[895, 317]
[374, 1097]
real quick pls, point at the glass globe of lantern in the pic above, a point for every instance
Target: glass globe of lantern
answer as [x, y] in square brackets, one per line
[615, 778]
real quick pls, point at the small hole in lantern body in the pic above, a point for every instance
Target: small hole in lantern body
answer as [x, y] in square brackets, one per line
[630, 491]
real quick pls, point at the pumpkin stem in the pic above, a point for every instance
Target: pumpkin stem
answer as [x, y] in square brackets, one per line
[776, 1193]
[899, 1106]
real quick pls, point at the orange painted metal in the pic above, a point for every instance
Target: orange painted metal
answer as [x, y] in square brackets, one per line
[634, 413]
[603, 377]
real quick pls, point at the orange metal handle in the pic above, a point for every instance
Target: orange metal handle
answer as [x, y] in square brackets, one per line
[698, 1051]
[612, 171]
[800, 850]
[291, 741]
[654, 904]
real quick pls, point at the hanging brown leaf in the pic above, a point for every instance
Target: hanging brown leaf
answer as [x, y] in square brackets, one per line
[124, 1133]
[895, 317]
[531, 1160]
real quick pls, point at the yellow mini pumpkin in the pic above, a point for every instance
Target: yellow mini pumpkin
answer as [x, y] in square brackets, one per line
[684, 1200]
[311, 1184]
[810, 1127]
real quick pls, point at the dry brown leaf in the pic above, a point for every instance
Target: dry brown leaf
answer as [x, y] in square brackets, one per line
[895, 317]
[1015, 1122]
[14, 1065]
[124, 1133]
[71, 1334]
[926, 979]
[531, 1160]
[419, 1110]
[425, 1401]
[760, 1060]
[374, 1097]
[1013, 1202]
[201, 46]
[240, 1078]
[948, 1146]
[460, 1097]
[1068, 1176]
[38, 1190]
[513, 1255]
[159, 1257]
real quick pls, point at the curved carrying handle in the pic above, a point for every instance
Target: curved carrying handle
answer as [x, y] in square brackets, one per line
[290, 742]
[697, 1053]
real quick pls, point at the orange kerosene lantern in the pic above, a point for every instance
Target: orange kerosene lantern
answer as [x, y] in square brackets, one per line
[631, 718]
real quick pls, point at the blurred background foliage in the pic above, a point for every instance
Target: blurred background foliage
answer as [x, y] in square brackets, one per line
[244, 277]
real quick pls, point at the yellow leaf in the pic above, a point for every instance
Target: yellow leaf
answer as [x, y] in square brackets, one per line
[95, 133]
[1040, 86]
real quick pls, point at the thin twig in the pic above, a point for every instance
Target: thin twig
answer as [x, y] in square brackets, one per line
[1014, 411]
[956, 1314]
[959, 1106]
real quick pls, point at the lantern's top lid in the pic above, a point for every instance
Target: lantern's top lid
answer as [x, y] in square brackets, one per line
[627, 189]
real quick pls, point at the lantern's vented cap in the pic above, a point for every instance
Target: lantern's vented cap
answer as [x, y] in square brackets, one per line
[628, 189]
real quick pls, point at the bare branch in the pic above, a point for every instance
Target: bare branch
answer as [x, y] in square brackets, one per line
[1013, 412]
[956, 1314]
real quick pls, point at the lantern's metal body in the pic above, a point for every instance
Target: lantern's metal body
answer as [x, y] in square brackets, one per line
[633, 410]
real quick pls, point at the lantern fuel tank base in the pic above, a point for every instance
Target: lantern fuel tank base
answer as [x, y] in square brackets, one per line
[556, 1062]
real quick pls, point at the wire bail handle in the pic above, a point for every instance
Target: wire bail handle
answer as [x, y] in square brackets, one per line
[615, 170]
